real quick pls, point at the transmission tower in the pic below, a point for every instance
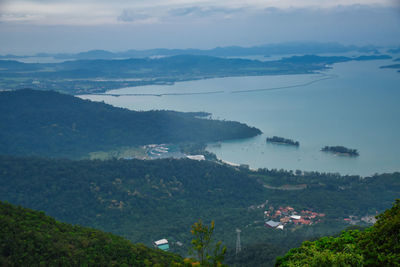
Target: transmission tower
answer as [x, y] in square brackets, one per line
[238, 246]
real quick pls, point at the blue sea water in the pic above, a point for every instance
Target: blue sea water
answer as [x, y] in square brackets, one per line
[355, 104]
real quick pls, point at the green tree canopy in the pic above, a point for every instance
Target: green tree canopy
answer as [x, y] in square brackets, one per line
[378, 245]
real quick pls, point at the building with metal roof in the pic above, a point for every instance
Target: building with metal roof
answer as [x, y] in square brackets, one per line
[272, 224]
[162, 244]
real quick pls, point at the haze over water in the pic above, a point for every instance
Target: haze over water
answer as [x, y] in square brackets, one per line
[354, 104]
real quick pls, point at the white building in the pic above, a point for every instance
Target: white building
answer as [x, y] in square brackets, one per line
[196, 157]
[162, 244]
[295, 217]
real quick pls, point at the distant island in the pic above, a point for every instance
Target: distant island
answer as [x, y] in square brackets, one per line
[281, 140]
[393, 66]
[341, 150]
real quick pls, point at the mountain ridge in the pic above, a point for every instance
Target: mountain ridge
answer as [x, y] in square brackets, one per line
[266, 49]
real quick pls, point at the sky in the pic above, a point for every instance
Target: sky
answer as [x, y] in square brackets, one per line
[32, 26]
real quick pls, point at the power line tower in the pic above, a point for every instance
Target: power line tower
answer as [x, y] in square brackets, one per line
[238, 246]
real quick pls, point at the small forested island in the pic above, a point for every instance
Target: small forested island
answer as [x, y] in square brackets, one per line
[341, 150]
[281, 140]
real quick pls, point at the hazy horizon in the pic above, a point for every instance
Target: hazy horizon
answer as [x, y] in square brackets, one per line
[292, 44]
[34, 26]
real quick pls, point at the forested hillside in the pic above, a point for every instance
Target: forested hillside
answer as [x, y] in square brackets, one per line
[149, 200]
[51, 124]
[30, 238]
[141, 200]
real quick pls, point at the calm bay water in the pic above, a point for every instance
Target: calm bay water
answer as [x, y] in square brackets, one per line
[354, 104]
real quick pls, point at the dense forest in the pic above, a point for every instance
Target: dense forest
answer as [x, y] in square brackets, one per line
[51, 124]
[30, 238]
[145, 201]
[375, 246]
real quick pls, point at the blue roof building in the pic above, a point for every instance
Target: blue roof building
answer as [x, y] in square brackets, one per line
[162, 244]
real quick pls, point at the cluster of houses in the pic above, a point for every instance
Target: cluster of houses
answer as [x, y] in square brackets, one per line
[287, 216]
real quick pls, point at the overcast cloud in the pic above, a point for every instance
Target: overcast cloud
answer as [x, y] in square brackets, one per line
[59, 25]
[101, 12]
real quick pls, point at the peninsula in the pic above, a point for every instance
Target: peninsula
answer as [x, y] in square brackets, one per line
[47, 123]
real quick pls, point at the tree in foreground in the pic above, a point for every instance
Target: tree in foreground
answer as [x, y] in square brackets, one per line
[205, 250]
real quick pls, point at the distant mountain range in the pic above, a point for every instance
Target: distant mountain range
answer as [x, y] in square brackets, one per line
[228, 51]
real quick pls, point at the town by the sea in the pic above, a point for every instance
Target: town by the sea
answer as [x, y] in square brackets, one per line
[353, 104]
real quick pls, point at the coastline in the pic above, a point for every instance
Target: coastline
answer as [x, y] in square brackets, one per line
[291, 112]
